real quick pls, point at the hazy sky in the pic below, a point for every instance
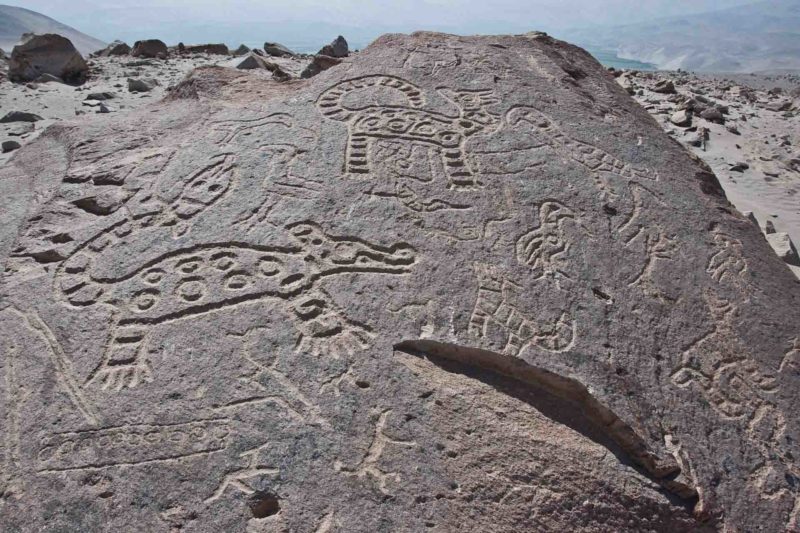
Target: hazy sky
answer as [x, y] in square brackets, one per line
[303, 21]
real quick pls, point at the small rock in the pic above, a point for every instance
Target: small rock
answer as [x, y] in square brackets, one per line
[277, 50]
[10, 146]
[681, 118]
[783, 246]
[252, 61]
[142, 85]
[739, 167]
[218, 49]
[733, 129]
[664, 87]
[769, 228]
[20, 116]
[318, 64]
[150, 48]
[100, 96]
[337, 48]
[102, 108]
[779, 106]
[712, 114]
[242, 50]
[20, 129]
[117, 48]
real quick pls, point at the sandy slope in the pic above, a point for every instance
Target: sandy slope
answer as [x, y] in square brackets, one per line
[768, 141]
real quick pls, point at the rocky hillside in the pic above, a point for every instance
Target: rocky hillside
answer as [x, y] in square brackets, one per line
[14, 21]
[447, 283]
[761, 36]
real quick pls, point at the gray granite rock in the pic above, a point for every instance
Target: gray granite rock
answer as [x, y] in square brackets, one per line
[451, 284]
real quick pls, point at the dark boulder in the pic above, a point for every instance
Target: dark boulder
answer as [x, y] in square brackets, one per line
[46, 54]
[150, 48]
[337, 48]
[277, 50]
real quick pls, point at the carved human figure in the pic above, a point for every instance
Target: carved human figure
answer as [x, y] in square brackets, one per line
[410, 123]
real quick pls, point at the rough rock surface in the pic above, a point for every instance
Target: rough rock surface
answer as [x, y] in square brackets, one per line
[46, 54]
[449, 284]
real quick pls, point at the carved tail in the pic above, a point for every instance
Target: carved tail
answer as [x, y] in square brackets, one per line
[330, 102]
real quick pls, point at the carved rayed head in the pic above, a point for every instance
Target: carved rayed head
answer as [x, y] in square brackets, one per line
[474, 106]
[330, 255]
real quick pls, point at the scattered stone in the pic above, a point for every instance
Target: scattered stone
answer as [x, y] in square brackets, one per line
[739, 166]
[712, 114]
[665, 87]
[117, 48]
[626, 82]
[318, 64]
[46, 54]
[242, 50]
[152, 48]
[733, 129]
[253, 61]
[20, 116]
[681, 118]
[102, 108]
[779, 106]
[219, 49]
[277, 50]
[784, 247]
[769, 227]
[337, 48]
[100, 96]
[10, 146]
[142, 85]
[21, 129]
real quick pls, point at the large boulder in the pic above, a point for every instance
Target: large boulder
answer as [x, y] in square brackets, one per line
[152, 48]
[46, 54]
[337, 48]
[459, 283]
[218, 49]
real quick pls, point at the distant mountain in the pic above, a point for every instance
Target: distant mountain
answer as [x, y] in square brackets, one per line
[14, 21]
[763, 36]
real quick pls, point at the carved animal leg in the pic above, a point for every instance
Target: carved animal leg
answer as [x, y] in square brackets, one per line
[124, 364]
[325, 330]
[357, 162]
[459, 174]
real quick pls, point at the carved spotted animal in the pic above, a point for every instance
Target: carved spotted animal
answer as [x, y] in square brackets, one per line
[410, 123]
[209, 277]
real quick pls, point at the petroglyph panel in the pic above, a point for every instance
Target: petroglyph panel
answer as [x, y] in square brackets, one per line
[202, 308]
